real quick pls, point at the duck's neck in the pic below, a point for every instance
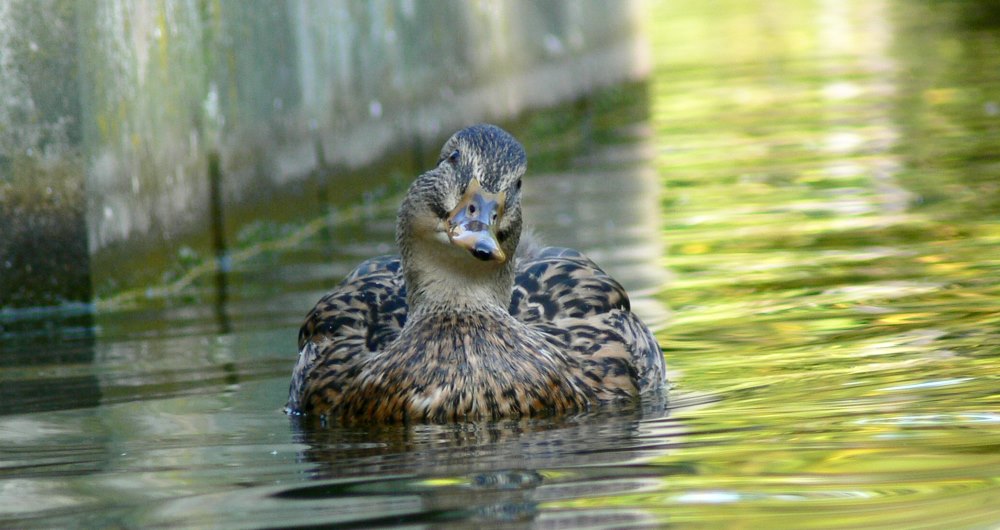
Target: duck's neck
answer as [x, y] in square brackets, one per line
[437, 286]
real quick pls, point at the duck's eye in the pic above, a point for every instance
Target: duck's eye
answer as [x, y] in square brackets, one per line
[472, 209]
[493, 219]
[451, 158]
[517, 185]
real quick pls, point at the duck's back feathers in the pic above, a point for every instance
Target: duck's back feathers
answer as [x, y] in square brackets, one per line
[567, 296]
[370, 303]
[560, 283]
[359, 317]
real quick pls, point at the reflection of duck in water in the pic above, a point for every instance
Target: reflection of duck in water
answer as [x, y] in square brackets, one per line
[459, 327]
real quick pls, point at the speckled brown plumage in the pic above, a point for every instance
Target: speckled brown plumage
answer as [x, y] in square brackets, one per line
[461, 326]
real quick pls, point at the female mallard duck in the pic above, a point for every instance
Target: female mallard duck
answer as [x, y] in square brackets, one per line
[460, 326]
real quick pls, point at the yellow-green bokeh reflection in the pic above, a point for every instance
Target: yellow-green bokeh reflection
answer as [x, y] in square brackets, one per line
[831, 218]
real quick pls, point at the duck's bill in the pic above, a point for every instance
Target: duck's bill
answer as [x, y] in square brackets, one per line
[480, 243]
[471, 223]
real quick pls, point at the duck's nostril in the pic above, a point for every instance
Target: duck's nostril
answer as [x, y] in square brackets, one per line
[482, 253]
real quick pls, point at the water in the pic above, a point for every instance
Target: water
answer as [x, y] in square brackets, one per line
[809, 220]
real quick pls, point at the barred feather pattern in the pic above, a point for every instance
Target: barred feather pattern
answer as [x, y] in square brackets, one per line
[568, 341]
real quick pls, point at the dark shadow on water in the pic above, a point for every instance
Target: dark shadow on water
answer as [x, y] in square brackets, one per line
[494, 472]
[976, 14]
[32, 345]
[222, 265]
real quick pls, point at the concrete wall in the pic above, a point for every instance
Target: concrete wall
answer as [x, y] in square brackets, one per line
[43, 241]
[143, 126]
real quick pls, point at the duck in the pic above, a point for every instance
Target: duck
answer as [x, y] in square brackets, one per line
[467, 322]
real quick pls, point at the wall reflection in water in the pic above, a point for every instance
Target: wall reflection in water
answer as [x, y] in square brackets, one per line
[35, 343]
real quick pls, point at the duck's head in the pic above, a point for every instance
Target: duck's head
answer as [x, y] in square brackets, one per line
[460, 223]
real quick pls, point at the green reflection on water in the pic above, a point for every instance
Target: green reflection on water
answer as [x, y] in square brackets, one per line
[832, 217]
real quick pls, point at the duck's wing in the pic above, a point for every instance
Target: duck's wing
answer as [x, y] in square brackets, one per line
[562, 293]
[359, 317]
[560, 283]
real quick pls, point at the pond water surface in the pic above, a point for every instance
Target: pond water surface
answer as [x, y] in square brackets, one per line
[804, 200]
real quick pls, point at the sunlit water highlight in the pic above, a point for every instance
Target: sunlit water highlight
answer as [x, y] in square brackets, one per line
[810, 221]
